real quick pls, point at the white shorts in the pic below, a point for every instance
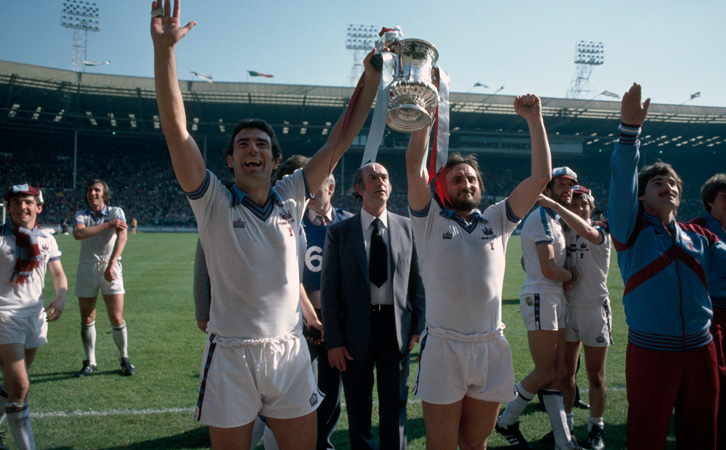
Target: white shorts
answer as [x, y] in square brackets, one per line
[89, 279]
[31, 331]
[590, 323]
[455, 365]
[543, 311]
[243, 378]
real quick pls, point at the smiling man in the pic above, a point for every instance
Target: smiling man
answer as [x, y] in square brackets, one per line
[671, 358]
[26, 253]
[465, 371]
[250, 238]
[102, 230]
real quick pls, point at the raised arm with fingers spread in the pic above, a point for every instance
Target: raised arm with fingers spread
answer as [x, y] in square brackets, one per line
[525, 194]
[186, 158]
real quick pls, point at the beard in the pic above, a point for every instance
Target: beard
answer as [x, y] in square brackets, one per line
[466, 203]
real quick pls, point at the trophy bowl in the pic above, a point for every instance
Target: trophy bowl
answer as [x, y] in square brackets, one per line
[413, 95]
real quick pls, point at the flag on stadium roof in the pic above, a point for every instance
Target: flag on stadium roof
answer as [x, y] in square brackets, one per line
[609, 94]
[202, 76]
[697, 94]
[259, 74]
[91, 63]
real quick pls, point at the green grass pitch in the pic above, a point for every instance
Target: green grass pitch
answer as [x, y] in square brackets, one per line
[153, 409]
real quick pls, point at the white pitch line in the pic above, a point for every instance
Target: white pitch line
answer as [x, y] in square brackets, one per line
[113, 412]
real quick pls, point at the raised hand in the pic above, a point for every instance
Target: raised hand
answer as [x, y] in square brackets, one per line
[632, 111]
[528, 106]
[166, 28]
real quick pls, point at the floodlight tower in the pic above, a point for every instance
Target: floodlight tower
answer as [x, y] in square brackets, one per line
[81, 17]
[588, 54]
[361, 39]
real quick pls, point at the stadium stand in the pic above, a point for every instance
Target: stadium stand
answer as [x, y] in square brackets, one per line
[59, 129]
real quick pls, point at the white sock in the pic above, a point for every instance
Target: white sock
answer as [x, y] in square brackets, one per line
[516, 406]
[3, 401]
[88, 337]
[595, 421]
[19, 423]
[570, 420]
[121, 339]
[558, 420]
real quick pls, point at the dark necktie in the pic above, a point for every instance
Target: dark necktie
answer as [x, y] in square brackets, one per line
[378, 264]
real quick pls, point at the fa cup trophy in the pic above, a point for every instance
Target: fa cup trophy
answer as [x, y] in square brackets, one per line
[413, 96]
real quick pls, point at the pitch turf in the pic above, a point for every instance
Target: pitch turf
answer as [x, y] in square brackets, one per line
[152, 410]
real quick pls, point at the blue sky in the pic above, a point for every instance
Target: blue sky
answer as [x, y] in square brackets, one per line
[673, 48]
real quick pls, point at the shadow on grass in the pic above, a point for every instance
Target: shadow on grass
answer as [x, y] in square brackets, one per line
[510, 301]
[415, 431]
[58, 376]
[196, 438]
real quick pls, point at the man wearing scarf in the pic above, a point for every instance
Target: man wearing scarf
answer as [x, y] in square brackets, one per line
[26, 253]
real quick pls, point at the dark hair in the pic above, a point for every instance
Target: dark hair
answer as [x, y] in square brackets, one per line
[260, 125]
[106, 195]
[711, 188]
[357, 179]
[657, 168]
[290, 165]
[470, 160]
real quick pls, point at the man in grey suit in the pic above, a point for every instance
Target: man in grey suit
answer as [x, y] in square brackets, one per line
[373, 313]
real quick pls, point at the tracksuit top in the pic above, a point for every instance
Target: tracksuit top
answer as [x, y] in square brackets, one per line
[666, 300]
[716, 280]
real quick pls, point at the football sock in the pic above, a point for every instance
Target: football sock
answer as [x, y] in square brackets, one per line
[516, 406]
[3, 401]
[88, 337]
[19, 423]
[570, 420]
[558, 420]
[121, 339]
[595, 421]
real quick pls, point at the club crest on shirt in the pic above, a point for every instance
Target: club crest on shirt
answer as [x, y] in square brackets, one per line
[286, 215]
[487, 234]
[239, 223]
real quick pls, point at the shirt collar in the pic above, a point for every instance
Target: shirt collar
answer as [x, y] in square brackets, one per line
[367, 218]
[103, 212]
[329, 216]
[475, 216]
[238, 196]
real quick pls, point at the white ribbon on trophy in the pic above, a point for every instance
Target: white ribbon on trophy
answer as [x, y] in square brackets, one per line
[407, 96]
[378, 121]
[441, 143]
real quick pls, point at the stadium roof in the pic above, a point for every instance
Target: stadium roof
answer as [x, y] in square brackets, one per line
[44, 100]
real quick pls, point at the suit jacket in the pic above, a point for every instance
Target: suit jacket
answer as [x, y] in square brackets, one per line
[345, 285]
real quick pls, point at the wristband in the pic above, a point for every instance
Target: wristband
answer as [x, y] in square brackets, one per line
[574, 276]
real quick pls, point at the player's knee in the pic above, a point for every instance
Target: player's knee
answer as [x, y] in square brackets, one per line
[17, 389]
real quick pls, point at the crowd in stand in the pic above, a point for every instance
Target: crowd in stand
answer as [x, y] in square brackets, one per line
[145, 187]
